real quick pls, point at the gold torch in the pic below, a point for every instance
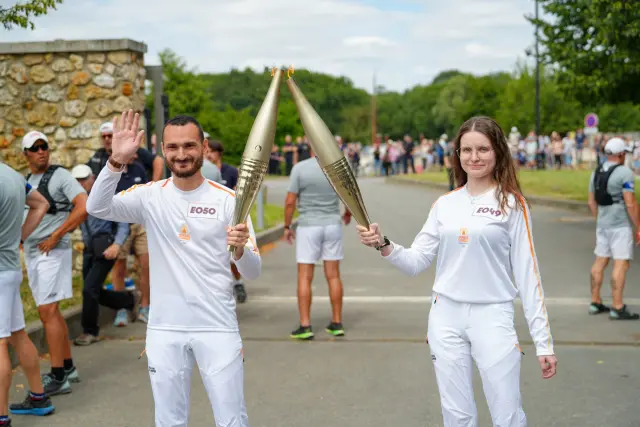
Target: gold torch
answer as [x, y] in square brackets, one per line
[255, 159]
[331, 159]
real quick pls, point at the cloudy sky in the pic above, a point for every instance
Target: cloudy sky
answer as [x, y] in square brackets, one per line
[406, 42]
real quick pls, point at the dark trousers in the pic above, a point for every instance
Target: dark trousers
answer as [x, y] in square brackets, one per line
[94, 273]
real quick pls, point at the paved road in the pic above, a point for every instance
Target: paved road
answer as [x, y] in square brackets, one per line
[381, 373]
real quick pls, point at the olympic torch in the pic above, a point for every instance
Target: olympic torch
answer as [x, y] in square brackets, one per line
[255, 159]
[331, 159]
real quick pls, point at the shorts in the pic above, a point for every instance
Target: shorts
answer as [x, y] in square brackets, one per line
[11, 311]
[317, 242]
[616, 243]
[50, 276]
[137, 240]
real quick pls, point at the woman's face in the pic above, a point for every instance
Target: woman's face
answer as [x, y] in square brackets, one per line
[477, 156]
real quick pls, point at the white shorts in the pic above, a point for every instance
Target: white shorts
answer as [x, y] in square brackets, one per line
[616, 243]
[319, 242]
[11, 311]
[219, 356]
[50, 276]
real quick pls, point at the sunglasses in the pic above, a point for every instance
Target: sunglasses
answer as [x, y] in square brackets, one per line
[36, 148]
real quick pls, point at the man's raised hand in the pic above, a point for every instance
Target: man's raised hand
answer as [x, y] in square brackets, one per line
[126, 137]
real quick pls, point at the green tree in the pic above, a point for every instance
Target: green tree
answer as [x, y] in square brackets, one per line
[595, 47]
[22, 13]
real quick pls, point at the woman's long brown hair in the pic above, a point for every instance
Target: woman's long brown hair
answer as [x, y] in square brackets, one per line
[504, 173]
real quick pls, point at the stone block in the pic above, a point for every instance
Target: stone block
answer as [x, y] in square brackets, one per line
[85, 129]
[41, 74]
[77, 61]
[73, 92]
[50, 93]
[127, 89]
[119, 58]
[75, 108]
[122, 103]
[60, 135]
[105, 80]
[62, 64]
[5, 97]
[103, 108]
[63, 79]
[96, 57]
[80, 78]
[33, 59]
[14, 114]
[43, 114]
[1, 125]
[18, 132]
[18, 72]
[48, 130]
[96, 68]
[66, 121]
[95, 92]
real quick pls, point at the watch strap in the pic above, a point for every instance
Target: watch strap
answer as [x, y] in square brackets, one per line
[115, 164]
[386, 243]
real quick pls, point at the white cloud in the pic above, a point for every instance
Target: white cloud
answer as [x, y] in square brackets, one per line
[347, 37]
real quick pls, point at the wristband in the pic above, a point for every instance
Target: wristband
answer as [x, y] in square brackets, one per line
[115, 164]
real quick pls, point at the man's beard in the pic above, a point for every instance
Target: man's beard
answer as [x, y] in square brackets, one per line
[197, 164]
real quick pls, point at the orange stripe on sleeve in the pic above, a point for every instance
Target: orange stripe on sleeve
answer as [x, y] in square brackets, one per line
[219, 187]
[535, 265]
[166, 181]
[446, 194]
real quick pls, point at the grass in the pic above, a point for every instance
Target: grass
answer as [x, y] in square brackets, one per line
[558, 184]
[273, 215]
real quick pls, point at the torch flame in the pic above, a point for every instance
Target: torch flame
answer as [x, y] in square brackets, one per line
[273, 71]
[290, 72]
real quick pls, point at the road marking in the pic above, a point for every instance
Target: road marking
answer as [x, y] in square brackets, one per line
[567, 301]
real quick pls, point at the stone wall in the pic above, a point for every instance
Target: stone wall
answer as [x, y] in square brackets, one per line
[66, 89]
[66, 95]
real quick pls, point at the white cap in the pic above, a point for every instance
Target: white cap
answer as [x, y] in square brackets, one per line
[616, 146]
[106, 127]
[206, 135]
[30, 138]
[81, 172]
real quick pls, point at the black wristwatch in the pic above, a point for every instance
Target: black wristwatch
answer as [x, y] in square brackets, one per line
[287, 227]
[386, 243]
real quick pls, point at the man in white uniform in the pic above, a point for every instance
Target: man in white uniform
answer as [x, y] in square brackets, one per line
[319, 237]
[192, 316]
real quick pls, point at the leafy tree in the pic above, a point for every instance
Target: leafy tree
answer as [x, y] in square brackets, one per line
[595, 46]
[21, 14]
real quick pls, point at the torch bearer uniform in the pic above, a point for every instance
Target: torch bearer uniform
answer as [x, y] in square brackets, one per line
[479, 248]
[192, 316]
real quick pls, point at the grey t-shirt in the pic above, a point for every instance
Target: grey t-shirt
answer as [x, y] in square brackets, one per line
[13, 194]
[318, 203]
[63, 188]
[211, 171]
[615, 215]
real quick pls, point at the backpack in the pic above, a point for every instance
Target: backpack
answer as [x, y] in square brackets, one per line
[600, 180]
[43, 188]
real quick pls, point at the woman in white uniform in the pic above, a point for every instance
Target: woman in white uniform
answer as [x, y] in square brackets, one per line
[481, 233]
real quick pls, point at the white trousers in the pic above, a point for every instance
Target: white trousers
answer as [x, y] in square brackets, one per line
[219, 356]
[319, 242]
[50, 276]
[460, 333]
[11, 310]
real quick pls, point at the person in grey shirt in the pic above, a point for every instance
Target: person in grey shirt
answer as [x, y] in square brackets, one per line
[209, 169]
[102, 242]
[613, 202]
[14, 194]
[318, 236]
[48, 255]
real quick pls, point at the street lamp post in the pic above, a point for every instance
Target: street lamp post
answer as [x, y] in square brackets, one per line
[537, 77]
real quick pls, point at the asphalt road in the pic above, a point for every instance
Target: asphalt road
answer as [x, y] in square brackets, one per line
[380, 374]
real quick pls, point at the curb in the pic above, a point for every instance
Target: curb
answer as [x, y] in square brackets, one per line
[534, 200]
[73, 315]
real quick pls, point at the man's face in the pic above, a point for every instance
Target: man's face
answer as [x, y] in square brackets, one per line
[183, 150]
[106, 141]
[87, 183]
[38, 155]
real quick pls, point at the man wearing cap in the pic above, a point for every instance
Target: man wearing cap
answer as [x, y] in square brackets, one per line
[213, 152]
[209, 169]
[612, 201]
[48, 255]
[102, 242]
[143, 166]
[14, 194]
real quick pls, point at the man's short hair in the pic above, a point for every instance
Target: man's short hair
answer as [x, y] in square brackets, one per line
[183, 120]
[215, 146]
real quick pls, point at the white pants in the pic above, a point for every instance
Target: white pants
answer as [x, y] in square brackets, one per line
[50, 276]
[319, 242]
[219, 356]
[616, 243]
[11, 310]
[461, 332]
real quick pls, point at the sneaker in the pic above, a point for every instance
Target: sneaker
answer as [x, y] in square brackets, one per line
[623, 314]
[241, 293]
[31, 406]
[597, 308]
[72, 375]
[143, 314]
[7, 424]
[122, 318]
[335, 329]
[302, 333]
[54, 387]
[85, 339]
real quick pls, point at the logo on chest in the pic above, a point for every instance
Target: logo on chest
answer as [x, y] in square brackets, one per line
[183, 233]
[201, 210]
[488, 211]
[463, 237]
